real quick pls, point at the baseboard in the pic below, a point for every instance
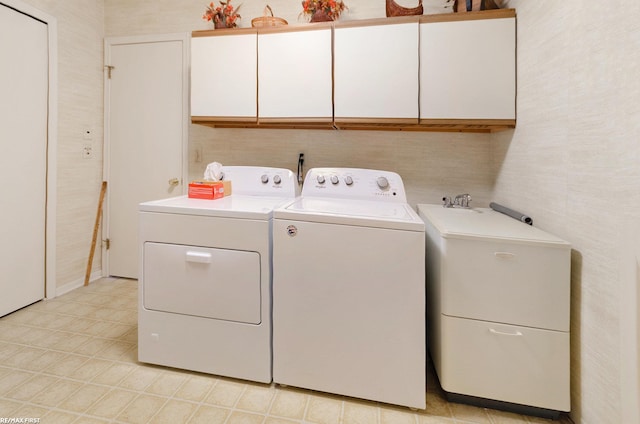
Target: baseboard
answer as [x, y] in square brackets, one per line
[96, 275]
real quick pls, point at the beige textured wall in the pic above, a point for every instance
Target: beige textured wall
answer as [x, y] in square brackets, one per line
[127, 17]
[80, 107]
[573, 163]
[431, 164]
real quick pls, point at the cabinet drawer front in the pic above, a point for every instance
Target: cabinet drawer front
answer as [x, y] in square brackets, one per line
[507, 363]
[211, 283]
[521, 284]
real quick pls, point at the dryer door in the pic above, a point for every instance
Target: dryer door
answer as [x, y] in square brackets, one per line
[211, 283]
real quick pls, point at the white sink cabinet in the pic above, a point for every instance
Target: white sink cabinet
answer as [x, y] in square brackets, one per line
[498, 302]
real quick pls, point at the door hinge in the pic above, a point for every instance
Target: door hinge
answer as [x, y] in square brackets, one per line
[109, 69]
[107, 243]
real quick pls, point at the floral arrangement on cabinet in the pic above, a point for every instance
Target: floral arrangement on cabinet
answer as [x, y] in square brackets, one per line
[323, 10]
[223, 16]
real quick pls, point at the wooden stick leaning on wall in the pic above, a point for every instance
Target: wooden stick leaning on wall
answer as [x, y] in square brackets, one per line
[95, 233]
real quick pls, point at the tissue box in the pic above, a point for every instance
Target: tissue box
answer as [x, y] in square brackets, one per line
[210, 190]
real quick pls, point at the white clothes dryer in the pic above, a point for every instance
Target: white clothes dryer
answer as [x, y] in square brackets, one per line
[349, 288]
[205, 276]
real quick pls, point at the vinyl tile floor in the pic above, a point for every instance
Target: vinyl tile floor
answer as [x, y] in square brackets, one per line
[73, 359]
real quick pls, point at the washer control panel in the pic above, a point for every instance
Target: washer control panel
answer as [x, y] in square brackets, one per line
[261, 181]
[354, 183]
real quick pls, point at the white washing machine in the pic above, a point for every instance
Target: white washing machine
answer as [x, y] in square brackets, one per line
[349, 288]
[205, 277]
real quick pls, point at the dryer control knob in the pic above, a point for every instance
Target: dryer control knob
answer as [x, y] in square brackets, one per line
[348, 180]
[383, 183]
[264, 179]
[277, 179]
[320, 179]
[334, 179]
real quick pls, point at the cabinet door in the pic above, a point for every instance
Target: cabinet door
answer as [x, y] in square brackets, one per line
[503, 362]
[468, 69]
[223, 77]
[525, 277]
[376, 72]
[294, 75]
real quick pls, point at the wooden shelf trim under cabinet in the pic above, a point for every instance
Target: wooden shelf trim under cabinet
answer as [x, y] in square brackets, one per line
[280, 123]
[467, 125]
[375, 123]
[372, 124]
[217, 120]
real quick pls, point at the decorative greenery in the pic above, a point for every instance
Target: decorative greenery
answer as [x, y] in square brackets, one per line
[331, 8]
[223, 16]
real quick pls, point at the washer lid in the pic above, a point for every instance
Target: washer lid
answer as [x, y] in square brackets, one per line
[363, 213]
[485, 223]
[234, 206]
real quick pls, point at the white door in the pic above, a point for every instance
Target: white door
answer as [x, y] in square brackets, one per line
[145, 145]
[23, 158]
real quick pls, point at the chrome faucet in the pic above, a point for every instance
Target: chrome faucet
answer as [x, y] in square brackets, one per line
[460, 201]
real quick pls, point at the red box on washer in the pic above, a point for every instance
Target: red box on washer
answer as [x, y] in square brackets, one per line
[209, 190]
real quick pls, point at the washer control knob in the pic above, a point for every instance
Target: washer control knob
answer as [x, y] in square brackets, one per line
[348, 180]
[277, 179]
[383, 183]
[320, 179]
[264, 178]
[334, 179]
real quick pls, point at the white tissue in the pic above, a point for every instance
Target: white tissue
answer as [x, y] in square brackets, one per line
[213, 172]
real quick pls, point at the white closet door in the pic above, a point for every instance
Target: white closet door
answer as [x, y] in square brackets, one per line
[147, 118]
[23, 152]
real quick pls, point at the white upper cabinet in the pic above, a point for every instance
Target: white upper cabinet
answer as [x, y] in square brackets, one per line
[223, 75]
[376, 71]
[294, 75]
[468, 68]
[447, 72]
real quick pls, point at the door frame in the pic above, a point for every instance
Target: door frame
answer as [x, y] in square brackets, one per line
[109, 42]
[52, 141]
